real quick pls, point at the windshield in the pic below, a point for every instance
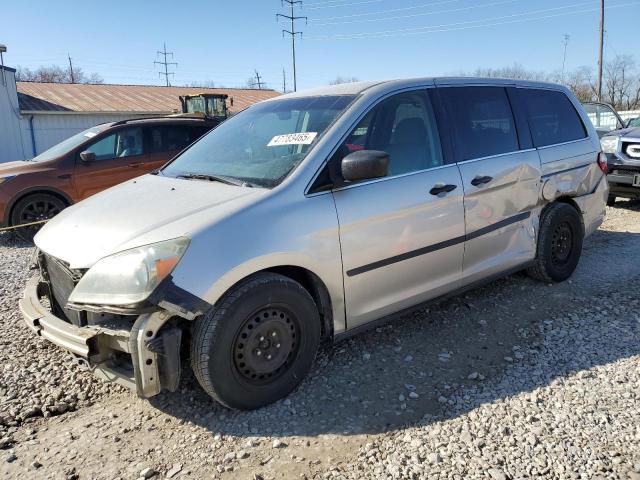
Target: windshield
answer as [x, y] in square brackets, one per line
[602, 116]
[635, 122]
[215, 107]
[262, 144]
[67, 145]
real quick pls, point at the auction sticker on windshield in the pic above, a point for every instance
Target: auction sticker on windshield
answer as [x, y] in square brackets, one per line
[304, 138]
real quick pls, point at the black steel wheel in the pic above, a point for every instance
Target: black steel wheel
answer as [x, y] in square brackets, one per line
[265, 344]
[35, 208]
[559, 243]
[258, 343]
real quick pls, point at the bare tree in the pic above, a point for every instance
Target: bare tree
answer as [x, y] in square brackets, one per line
[620, 82]
[338, 80]
[56, 74]
[515, 71]
[203, 84]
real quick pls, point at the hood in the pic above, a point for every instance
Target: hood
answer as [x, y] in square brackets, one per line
[633, 132]
[9, 169]
[146, 210]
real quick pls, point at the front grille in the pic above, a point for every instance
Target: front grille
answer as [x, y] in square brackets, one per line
[62, 281]
[621, 171]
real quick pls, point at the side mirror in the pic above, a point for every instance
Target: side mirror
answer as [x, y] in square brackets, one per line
[365, 165]
[87, 156]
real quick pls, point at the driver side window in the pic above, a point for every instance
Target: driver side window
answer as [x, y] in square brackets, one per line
[404, 126]
[123, 143]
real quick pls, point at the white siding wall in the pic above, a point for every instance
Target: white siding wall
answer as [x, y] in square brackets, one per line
[12, 146]
[50, 129]
[629, 114]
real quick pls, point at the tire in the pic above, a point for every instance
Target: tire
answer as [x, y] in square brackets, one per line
[559, 243]
[611, 200]
[32, 208]
[258, 343]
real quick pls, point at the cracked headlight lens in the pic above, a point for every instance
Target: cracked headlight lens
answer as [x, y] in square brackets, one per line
[129, 277]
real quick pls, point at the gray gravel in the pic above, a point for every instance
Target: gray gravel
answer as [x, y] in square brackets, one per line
[36, 379]
[515, 380]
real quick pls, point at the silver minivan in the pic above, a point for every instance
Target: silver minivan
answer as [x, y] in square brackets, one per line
[313, 216]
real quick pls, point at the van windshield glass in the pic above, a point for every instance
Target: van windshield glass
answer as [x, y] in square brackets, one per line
[67, 145]
[262, 144]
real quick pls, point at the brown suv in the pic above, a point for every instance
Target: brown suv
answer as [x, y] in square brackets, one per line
[88, 163]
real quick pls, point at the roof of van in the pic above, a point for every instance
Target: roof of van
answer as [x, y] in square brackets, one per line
[355, 88]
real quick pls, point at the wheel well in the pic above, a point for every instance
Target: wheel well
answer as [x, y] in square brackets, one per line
[15, 201]
[570, 201]
[316, 288]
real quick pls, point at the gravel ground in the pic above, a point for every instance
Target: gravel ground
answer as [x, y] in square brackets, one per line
[515, 380]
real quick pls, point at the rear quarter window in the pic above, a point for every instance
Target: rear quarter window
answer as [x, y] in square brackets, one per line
[483, 123]
[552, 117]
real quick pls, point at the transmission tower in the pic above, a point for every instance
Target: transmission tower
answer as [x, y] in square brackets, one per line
[258, 82]
[166, 64]
[292, 18]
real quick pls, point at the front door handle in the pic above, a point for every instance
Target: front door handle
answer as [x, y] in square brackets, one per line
[438, 189]
[481, 180]
[135, 164]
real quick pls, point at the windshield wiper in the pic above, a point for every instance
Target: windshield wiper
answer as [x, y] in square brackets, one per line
[213, 178]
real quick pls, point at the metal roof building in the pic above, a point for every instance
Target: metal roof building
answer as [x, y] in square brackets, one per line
[43, 114]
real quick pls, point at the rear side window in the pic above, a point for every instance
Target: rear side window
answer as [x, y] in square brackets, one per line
[552, 117]
[482, 121]
[166, 138]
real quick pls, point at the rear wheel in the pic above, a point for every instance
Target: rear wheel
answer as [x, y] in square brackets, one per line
[611, 200]
[559, 243]
[35, 208]
[258, 343]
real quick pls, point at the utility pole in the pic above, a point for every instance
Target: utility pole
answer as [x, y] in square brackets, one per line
[564, 57]
[166, 64]
[284, 81]
[73, 79]
[258, 80]
[293, 33]
[601, 50]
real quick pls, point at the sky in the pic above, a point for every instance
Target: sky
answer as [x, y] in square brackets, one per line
[225, 41]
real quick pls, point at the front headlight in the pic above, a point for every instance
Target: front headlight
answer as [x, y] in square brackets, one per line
[609, 144]
[129, 277]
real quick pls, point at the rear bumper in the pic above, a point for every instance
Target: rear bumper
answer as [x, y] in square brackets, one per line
[106, 351]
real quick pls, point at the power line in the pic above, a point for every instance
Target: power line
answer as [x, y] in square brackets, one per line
[166, 64]
[318, 6]
[465, 25]
[392, 10]
[293, 34]
[414, 15]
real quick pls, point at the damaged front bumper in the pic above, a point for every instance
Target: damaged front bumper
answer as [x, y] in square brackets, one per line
[142, 354]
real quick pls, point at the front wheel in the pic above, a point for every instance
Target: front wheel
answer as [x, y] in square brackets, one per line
[559, 243]
[258, 343]
[35, 208]
[611, 200]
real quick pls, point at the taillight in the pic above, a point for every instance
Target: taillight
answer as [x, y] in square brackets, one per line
[602, 162]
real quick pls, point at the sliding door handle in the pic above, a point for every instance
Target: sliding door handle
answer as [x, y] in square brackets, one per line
[481, 180]
[438, 189]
